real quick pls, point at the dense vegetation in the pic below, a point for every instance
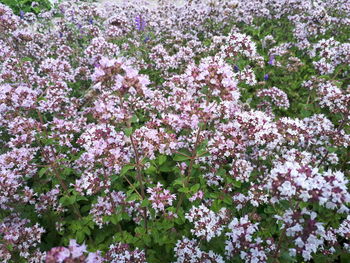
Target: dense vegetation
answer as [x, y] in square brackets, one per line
[21, 7]
[207, 132]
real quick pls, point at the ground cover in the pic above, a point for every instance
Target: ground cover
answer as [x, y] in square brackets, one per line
[191, 132]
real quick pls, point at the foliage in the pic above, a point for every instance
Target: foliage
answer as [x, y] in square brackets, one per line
[27, 6]
[209, 132]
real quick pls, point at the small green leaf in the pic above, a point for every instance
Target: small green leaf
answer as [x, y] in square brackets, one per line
[180, 157]
[133, 197]
[80, 235]
[85, 208]
[128, 131]
[67, 200]
[42, 171]
[151, 170]
[178, 181]
[269, 210]
[166, 168]
[126, 168]
[81, 198]
[134, 119]
[67, 171]
[195, 187]
[25, 59]
[332, 149]
[161, 159]
[145, 203]
[184, 190]
[201, 125]
[305, 113]
[237, 184]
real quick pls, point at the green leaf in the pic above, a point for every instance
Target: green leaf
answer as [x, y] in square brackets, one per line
[67, 171]
[41, 98]
[201, 125]
[269, 210]
[87, 231]
[161, 159]
[101, 236]
[287, 258]
[166, 168]
[42, 171]
[345, 258]
[67, 200]
[184, 190]
[228, 200]
[203, 153]
[128, 131]
[195, 187]
[332, 149]
[85, 208]
[133, 197]
[237, 184]
[221, 172]
[126, 168]
[81, 198]
[26, 59]
[145, 203]
[80, 235]
[180, 157]
[115, 219]
[178, 181]
[305, 113]
[134, 119]
[151, 170]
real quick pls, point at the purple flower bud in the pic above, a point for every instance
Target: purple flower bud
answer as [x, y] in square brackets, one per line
[91, 21]
[146, 39]
[21, 14]
[272, 60]
[140, 23]
[266, 77]
[235, 68]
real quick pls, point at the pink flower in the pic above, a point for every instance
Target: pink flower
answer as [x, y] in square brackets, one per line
[76, 249]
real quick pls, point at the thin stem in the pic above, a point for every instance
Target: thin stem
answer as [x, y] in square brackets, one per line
[140, 179]
[341, 126]
[187, 178]
[53, 165]
[133, 187]
[281, 240]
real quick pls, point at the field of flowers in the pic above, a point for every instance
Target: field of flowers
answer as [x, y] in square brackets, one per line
[207, 132]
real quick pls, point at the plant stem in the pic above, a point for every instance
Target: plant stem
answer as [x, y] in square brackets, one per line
[140, 179]
[187, 178]
[338, 130]
[53, 165]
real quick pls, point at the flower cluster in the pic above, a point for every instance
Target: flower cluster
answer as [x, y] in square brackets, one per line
[17, 234]
[308, 235]
[278, 97]
[74, 253]
[207, 224]
[241, 241]
[123, 254]
[187, 250]
[160, 197]
[138, 132]
[290, 179]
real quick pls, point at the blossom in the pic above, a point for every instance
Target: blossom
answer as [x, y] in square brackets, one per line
[207, 224]
[140, 23]
[160, 197]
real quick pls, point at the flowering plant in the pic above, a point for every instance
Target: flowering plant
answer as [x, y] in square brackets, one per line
[20, 7]
[222, 138]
